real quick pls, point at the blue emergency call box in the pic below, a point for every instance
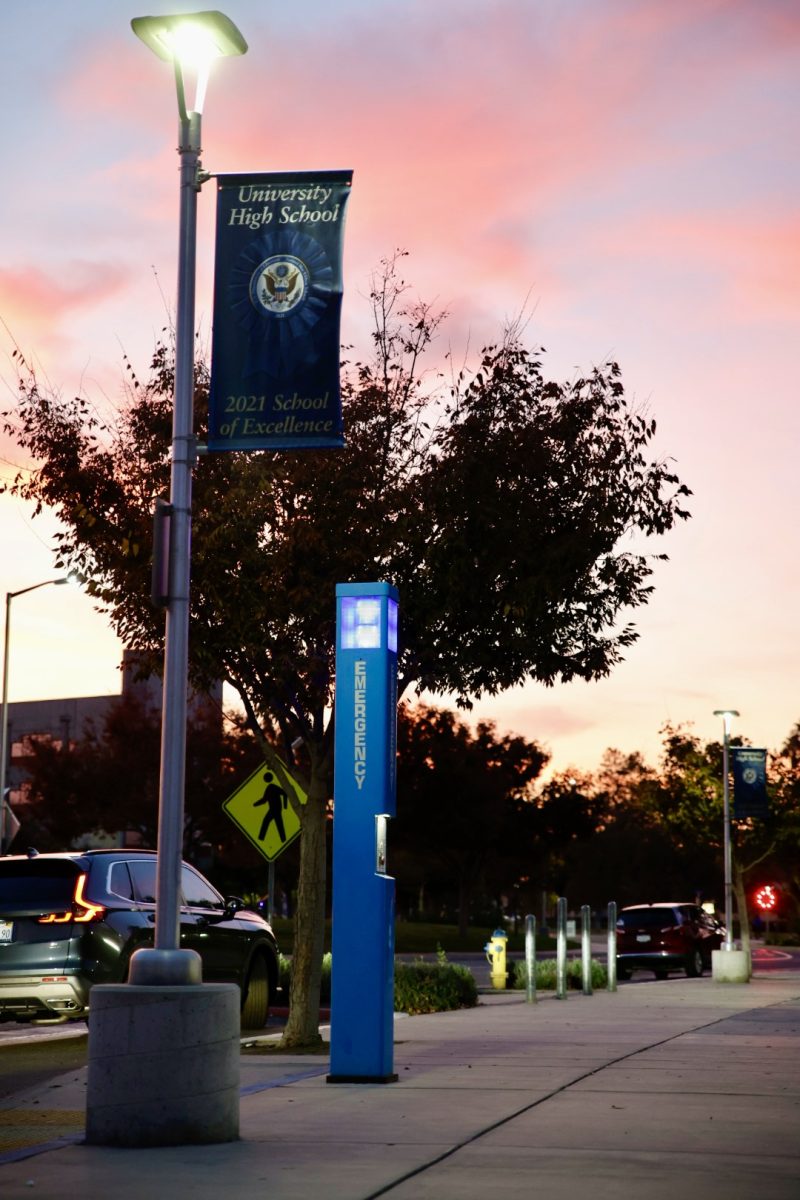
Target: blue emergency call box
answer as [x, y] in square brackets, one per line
[364, 799]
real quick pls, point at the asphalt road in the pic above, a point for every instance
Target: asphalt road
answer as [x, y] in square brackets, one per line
[29, 1063]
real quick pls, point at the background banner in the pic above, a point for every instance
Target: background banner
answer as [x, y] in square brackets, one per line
[277, 306]
[749, 783]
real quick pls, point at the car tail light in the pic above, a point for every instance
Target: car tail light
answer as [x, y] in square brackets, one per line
[82, 910]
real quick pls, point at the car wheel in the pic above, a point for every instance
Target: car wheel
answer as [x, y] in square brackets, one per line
[623, 972]
[694, 963]
[661, 973]
[255, 999]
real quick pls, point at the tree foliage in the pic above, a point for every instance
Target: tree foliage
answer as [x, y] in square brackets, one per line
[511, 511]
[681, 807]
[465, 824]
[783, 865]
[645, 833]
[106, 781]
[635, 856]
[570, 814]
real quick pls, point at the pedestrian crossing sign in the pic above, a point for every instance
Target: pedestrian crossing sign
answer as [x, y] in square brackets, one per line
[263, 810]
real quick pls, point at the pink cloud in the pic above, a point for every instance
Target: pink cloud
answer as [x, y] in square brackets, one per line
[749, 260]
[471, 129]
[465, 123]
[119, 69]
[466, 135]
[29, 294]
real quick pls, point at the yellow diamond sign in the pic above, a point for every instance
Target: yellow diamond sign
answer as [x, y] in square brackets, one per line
[263, 810]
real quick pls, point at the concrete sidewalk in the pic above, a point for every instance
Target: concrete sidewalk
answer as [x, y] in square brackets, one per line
[683, 1088]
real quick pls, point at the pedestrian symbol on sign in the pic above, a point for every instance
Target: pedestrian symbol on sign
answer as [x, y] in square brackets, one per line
[276, 801]
[264, 812]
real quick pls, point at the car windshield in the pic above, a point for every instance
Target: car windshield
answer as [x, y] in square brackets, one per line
[49, 883]
[648, 918]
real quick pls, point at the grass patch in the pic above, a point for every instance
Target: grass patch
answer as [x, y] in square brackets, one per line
[421, 937]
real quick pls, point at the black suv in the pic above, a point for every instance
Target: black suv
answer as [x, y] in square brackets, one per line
[68, 921]
[666, 937]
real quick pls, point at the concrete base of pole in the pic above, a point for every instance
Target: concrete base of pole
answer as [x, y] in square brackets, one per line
[730, 966]
[163, 1065]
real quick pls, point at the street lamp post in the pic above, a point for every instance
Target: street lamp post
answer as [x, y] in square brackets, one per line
[4, 717]
[727, 715]
[188, 39]
[164, 1047]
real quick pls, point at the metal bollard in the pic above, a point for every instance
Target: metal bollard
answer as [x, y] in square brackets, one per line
[586, 949]
[561, 948]
[611, 956]
[530, 960]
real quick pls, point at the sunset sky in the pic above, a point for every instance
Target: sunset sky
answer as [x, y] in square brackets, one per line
[626, 172]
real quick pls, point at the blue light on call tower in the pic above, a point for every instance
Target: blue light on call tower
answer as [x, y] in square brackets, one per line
[364, 798]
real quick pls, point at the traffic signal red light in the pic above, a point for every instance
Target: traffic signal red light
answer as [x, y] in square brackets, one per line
[766, 897]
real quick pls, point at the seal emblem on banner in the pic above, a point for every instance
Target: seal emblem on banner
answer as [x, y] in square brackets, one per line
[279, 285]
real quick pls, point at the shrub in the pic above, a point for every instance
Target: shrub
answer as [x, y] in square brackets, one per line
[546, 974]
[422, 987]
[419, 987]
[782, 939]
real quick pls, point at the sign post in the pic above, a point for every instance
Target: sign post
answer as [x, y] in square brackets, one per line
[364, 797]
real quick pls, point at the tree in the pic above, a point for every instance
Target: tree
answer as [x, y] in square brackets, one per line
[504, 511]
[106, 780]
[689, 801]
[466, 802]
[569, 813]
[631, 857]
[782, 863]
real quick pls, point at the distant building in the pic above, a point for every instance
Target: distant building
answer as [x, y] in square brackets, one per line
[63, 722]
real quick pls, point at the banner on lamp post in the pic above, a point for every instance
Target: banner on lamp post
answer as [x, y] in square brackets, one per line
[749, 783]
[277, 307]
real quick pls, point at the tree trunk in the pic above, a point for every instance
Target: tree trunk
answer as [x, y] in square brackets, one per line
[302, 1027]
[741, 905]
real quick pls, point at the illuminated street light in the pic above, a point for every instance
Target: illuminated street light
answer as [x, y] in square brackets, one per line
[190, 41]
[4, 717]
[193, 41]
[727, 715]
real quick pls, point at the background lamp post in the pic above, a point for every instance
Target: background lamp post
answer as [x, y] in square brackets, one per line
[4, 717]
[187, 40]
[727, 715]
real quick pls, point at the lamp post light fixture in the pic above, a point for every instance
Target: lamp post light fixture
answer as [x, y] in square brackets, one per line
[4, 714]
[727, 715]
[189, 41]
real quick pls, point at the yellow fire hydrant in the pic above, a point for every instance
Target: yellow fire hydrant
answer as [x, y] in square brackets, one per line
[496, 955]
